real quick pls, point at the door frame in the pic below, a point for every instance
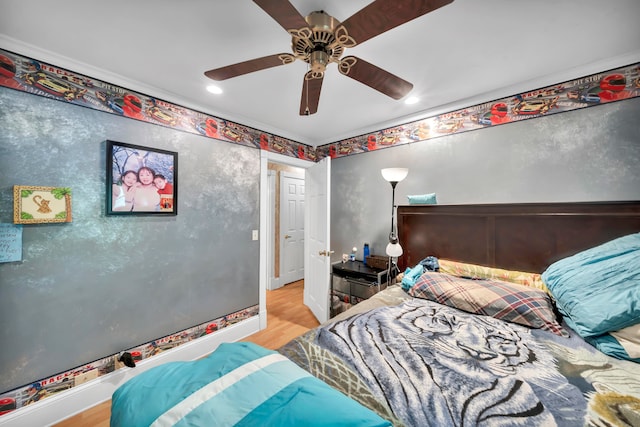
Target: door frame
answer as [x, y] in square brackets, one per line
[265, 226]
[272, 282]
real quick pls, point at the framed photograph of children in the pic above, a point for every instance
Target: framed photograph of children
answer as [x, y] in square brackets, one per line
[141, 180]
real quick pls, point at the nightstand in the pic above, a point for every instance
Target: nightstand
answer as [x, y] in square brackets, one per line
[354, 281]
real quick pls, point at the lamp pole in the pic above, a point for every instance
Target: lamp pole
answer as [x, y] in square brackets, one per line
[392, 237]
[393, 176]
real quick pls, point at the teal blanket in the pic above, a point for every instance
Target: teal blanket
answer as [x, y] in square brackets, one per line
[240, 384]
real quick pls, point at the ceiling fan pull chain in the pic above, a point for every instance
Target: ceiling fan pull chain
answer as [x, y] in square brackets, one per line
[306, 83]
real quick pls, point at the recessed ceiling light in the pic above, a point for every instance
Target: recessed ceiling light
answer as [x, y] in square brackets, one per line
[411, 100]
[214, 89]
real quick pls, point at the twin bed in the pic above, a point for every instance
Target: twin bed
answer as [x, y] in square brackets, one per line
[486, 340]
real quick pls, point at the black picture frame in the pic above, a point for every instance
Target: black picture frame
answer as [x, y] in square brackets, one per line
[126, 195]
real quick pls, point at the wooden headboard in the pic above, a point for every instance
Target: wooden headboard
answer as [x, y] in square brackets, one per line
[525, 237]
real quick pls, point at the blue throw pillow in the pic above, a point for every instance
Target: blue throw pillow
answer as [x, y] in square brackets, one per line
[598, 290]
[423, 199]
[411, 275]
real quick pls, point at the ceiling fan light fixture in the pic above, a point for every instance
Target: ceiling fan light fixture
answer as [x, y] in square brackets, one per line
[318, 61]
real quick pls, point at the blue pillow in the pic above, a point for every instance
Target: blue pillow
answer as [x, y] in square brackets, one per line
[609, 345]
[598, 290]
[423, 199]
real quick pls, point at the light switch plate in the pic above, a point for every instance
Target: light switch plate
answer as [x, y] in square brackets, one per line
[254, 234]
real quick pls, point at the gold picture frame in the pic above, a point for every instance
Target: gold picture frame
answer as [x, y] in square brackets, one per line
[35, 205]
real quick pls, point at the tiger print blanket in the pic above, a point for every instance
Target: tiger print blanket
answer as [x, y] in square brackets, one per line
[419, 363]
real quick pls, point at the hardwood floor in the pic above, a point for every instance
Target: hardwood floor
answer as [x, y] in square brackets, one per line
[287, 317]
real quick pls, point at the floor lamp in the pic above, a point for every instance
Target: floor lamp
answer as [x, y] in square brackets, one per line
[393, 250]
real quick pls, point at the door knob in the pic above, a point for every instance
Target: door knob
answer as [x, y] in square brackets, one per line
[286, 236]
[325, 253]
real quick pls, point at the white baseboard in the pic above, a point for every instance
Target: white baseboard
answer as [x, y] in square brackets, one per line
[80, 398]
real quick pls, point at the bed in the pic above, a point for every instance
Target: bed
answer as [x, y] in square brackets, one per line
[505, 315]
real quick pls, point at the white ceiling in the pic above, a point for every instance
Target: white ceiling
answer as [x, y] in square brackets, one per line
[467, 52]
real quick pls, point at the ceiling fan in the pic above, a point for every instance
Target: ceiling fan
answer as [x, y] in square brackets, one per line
[320, 39]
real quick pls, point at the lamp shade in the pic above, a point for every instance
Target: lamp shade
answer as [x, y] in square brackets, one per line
[394, 174]
[394, 250]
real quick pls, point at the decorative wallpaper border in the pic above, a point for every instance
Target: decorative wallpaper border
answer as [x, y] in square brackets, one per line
[47, 387]
[35, 77]
[38, 78]
[596, 89]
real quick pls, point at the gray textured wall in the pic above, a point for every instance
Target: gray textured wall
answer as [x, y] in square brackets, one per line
[591, 154]
[98, 285]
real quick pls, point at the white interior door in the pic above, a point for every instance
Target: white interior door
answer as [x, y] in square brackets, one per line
[316, 236]
[291, 227]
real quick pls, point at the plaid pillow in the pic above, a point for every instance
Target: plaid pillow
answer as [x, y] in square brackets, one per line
[507, 301]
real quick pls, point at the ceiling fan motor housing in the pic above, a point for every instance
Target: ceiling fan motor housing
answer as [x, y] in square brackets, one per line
[322, 25]
[318, 48]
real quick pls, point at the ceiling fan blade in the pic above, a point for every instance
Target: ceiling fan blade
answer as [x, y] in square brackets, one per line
[383, 15]
[374, 77]
[311, 87]
[250, 66]
[284, 14]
